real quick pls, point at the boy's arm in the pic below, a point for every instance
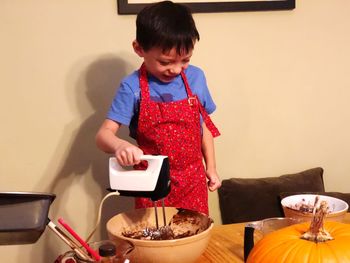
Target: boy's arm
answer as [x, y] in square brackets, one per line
[108, 141]
[209, 157]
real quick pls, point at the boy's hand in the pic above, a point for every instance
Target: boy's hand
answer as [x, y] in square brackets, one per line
[128, 154]
[214, 181]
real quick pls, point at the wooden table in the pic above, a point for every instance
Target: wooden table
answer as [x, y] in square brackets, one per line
[226, 244]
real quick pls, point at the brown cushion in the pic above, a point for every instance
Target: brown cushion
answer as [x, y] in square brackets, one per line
[250, 199]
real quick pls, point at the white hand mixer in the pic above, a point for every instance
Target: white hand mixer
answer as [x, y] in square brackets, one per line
[153, 183]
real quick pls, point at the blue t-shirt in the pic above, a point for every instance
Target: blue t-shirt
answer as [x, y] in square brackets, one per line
[125, 105]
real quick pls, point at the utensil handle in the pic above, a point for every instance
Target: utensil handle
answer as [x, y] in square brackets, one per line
[81, 241]
[67, 240]
[248, 240]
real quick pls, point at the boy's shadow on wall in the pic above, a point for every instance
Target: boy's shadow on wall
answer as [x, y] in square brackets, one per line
[98, 84]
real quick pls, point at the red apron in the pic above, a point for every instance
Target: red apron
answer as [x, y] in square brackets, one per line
[173, 129]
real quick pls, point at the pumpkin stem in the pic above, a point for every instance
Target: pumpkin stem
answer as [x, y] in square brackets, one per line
[316, 232]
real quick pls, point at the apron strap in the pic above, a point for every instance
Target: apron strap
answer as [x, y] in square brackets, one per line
[145, 93]
[187, 87]
[194, 99]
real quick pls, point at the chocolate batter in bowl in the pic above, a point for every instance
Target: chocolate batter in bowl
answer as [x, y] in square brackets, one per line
[186, 235]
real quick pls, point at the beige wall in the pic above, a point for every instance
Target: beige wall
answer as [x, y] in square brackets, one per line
[280, 80]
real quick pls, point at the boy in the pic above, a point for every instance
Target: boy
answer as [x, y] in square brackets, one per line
[165, 104]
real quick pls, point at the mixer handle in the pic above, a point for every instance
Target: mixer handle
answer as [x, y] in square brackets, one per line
[248, 239]
[145, 157]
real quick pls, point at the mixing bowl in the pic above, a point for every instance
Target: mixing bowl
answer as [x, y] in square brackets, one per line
[184, 250]
[291, 204]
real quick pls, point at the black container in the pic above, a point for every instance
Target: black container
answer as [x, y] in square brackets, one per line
[23, 216]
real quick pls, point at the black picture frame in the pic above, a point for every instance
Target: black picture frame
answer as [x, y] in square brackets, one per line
[126, 8]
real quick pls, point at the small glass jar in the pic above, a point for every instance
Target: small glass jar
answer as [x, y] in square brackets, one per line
[107, 253]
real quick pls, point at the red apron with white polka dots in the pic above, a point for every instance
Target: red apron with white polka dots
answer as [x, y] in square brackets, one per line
[173, 129]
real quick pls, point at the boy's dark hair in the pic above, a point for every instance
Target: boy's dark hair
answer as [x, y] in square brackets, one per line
[166, 25]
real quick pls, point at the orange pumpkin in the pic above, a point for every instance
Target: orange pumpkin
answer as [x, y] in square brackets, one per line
[285, 245]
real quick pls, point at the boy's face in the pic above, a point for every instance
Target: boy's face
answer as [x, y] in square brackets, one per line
[164, 66]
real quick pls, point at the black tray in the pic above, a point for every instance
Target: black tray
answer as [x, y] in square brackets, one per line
[23, 216]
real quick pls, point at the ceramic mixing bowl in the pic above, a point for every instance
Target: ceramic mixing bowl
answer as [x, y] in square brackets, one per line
[183, 250]
[291, 207]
